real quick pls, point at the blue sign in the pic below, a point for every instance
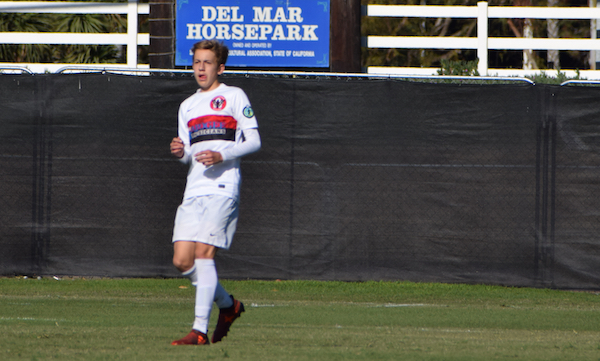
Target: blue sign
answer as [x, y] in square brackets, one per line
[258, 33]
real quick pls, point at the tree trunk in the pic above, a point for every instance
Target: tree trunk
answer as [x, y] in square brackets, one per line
[528, 60]
[345, 36]
[162, 34]
[552, 28]
[593, 26]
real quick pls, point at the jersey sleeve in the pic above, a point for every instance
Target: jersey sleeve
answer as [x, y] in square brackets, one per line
[244, 113]
[184, 134]
[250, 145]
[247, 125]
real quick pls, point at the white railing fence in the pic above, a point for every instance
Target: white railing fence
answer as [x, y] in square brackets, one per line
[482, 43]
[131, 39]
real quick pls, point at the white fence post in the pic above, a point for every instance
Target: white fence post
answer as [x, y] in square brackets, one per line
[482, 37]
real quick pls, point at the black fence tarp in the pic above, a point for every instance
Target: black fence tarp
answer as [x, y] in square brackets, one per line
[357, 179]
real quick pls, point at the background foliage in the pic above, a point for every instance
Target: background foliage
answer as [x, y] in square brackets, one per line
[468, 27]
[370, 26]
[75, 23]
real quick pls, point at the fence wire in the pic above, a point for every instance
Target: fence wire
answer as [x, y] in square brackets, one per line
[357, 179]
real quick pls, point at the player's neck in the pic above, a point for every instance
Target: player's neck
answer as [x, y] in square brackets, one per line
[214, 86]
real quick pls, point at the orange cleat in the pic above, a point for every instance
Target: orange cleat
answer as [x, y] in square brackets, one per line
[192, 338]
[226, 318]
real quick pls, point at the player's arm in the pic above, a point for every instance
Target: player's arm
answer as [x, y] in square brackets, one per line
[178, 147]
[187, 155]
[250, 138]
[180, 150]
[250, 145]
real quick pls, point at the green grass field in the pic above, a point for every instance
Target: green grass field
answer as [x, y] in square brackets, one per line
[136, 319]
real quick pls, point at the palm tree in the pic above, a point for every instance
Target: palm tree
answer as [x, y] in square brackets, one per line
[75, 23]
[88, 23]
[25, 52]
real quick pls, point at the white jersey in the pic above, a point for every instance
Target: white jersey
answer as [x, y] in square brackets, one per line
[214, 120]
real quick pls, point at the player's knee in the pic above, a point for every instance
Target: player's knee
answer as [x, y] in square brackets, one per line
[182, 264]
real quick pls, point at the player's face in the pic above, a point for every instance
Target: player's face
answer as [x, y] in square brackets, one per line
[207, 69]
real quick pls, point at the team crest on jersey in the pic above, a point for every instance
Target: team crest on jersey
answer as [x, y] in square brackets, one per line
[248, 112]
[218, 103]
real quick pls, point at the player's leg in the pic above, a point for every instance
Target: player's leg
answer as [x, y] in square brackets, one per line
[203, 275]
[229, 308]
[206, 285]
[184, 255]
[222, 297]
[184, 260]
[226, 317]
[185, 233]
[215, 230]
[185, 236]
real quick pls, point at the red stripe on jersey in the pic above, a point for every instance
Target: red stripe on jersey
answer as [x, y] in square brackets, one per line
[212, 121]
[212, 127]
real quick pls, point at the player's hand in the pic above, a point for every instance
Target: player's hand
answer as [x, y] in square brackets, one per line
[208, 157]
[177, 147]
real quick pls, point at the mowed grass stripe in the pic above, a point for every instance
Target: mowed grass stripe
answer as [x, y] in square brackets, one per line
[297, 320]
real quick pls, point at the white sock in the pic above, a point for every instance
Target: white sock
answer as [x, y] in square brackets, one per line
[205, 292]
[222, 298]
[191, 274]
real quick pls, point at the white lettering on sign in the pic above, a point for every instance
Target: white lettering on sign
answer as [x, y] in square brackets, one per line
[193, 31]
[259, 53]
[221, 14]
[238, 32]
[309, 32]
[303, 53]
[263, 15]
[293, 32]
[252, 32]
[209, 14]
[260, 29]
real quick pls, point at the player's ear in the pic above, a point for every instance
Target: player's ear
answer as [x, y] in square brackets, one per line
[221, 69]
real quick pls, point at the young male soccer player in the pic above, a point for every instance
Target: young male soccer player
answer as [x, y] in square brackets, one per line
[216, 128]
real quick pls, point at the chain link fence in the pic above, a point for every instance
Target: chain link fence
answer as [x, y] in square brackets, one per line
[357, 179]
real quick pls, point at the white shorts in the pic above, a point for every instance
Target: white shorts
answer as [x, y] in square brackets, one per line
[208, 219]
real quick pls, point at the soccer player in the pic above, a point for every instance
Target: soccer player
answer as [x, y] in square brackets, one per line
[216, 127]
